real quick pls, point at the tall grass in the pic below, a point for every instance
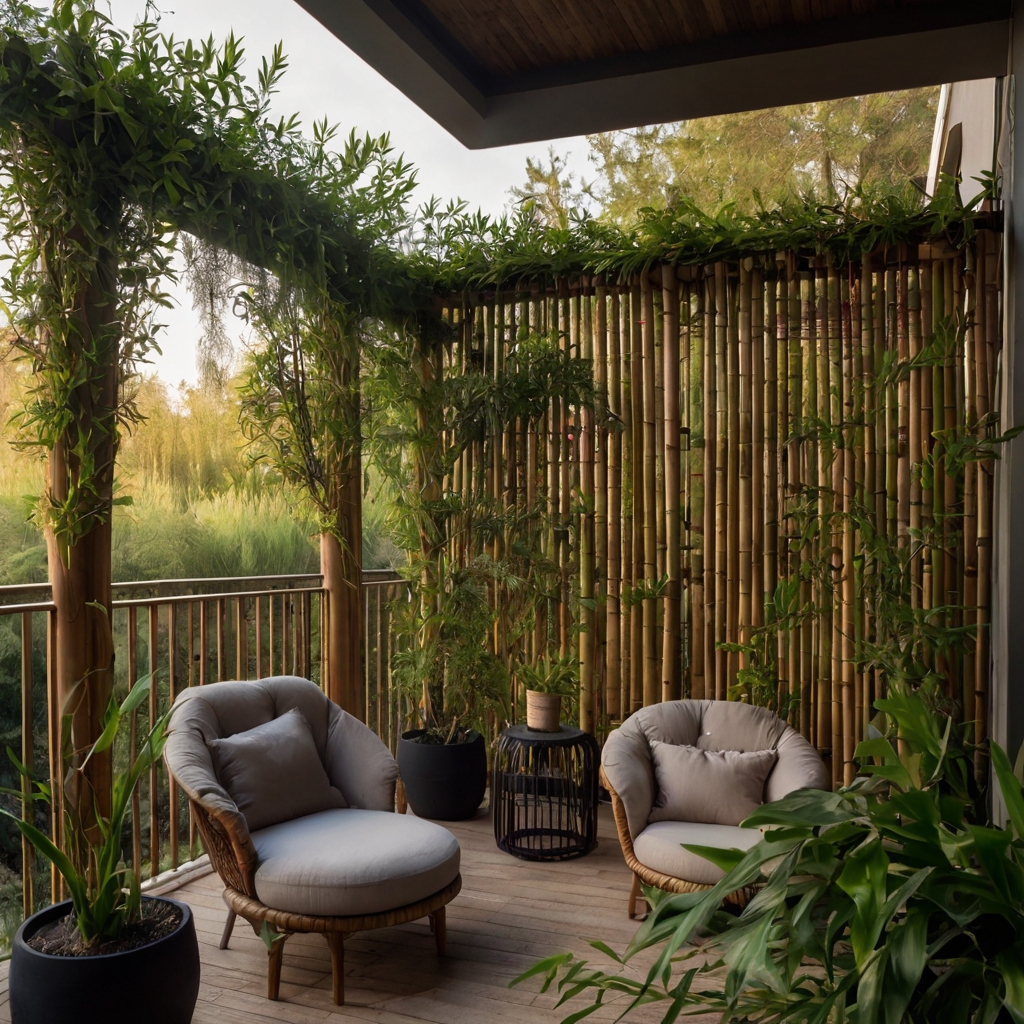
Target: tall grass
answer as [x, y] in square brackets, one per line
[200, 506]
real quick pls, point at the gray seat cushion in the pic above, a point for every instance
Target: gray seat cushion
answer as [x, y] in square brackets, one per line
[350, 862]
[658, 847]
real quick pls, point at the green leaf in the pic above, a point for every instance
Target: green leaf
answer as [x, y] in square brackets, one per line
[724, 859]
[1010, 963]
[863, 878]
[907, 946]
[1011, 789]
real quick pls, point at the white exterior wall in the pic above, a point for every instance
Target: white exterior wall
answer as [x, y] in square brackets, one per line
[976, 107]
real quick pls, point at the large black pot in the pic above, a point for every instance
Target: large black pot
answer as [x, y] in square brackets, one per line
[158, 983]
[445, 781]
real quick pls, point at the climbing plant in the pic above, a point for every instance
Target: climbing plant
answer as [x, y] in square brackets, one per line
[112, 144]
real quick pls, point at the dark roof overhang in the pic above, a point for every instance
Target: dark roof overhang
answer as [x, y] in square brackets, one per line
[895, 47]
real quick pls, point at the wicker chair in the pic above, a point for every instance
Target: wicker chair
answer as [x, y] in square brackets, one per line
[358, 765]
[653, 850]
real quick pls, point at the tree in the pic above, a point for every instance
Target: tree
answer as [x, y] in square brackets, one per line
[551, 192]
[825, 150]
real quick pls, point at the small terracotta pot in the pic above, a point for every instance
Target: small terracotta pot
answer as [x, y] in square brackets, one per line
[543, 711]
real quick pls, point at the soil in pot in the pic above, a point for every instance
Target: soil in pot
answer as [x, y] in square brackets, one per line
[61, 938]
[443, 781]
[156, 982]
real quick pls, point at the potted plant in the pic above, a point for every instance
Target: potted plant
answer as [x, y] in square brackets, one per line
[547, 681]
[108, 953]
[421, 427]
[449, 671]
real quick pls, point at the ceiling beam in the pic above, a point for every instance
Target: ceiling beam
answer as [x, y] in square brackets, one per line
[821, 61]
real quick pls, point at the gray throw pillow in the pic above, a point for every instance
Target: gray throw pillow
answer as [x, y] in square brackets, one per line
[717, 787]
[273, 772]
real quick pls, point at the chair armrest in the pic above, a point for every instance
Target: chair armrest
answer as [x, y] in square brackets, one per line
[225, 835]
[359, 764]
[799, 766]
[626, 765]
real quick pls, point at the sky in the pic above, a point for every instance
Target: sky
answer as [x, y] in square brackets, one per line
[325, 78]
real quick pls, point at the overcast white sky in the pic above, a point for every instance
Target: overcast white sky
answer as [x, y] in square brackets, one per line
[325, 78]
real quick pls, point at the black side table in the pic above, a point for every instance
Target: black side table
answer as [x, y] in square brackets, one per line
[544, 793]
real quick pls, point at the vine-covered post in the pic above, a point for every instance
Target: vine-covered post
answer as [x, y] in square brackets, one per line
[80, 352]
[341, 539]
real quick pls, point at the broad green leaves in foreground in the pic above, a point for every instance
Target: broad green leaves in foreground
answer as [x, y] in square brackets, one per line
[889, 901]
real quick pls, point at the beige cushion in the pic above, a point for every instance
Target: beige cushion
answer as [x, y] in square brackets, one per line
[719, 787]
[352, 862]
[658, 847]
[710, 725]
[273, 772]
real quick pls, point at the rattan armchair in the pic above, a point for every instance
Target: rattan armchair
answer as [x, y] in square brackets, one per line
[358, 765]
[653, 851]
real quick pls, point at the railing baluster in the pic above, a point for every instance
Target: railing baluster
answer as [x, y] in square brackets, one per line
[191, 643]
[222, 654]
[154, 712]
[259, 637]
[270, 635]
[133, 631]
[53, 735]
[204, 652]
[325, 639]
[285, 628]
[172, 668]
[27, 807]
[380, 672]
[241, 660]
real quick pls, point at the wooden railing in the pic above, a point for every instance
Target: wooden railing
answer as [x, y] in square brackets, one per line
[184, 633]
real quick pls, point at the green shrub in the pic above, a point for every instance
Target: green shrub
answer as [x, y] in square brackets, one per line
[891, 900]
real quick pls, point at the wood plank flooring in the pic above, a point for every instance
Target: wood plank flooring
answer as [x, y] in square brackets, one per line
[509, 914]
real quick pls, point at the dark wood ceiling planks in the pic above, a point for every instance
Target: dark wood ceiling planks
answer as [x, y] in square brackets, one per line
[508, 37]
[497, 72]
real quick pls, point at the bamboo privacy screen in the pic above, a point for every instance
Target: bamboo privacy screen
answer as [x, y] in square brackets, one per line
[769, 423]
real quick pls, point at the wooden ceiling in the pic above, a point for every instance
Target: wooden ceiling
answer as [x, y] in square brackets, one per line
[508, 37]
[495, 72]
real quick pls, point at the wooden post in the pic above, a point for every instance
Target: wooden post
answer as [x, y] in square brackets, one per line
[79, 566]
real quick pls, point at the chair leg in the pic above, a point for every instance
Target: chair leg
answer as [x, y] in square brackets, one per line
[439, 927]
[634, 895]
[229, 926]
[275, 957]
[336, 944]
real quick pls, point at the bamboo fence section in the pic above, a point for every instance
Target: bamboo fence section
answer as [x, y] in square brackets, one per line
[760, 420]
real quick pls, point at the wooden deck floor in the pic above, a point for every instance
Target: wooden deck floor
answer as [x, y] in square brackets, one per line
[509, 914]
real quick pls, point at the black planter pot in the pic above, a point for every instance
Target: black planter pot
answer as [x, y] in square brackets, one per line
[444, 781]
[158, 983]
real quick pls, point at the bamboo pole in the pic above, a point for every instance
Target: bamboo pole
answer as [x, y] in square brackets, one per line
[613, 671]
[651, 666]
[722, 492]
[588, 565]
[671, 680]
[710, 487]
[601, 473]
[691, 568]
[757, 449]
[743, 513]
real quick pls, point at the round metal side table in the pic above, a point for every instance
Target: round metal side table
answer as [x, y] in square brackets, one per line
[544, 793]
